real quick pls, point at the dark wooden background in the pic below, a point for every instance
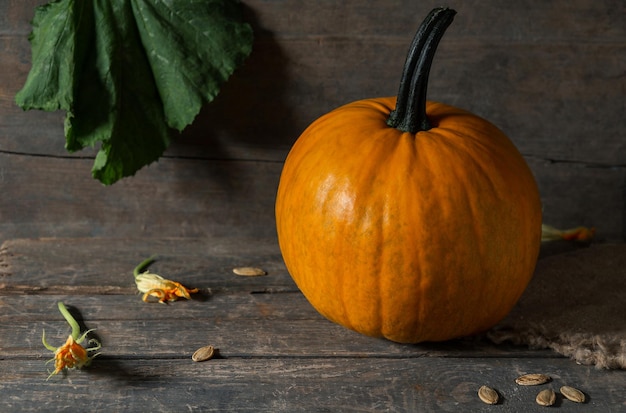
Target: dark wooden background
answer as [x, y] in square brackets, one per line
[550, 74]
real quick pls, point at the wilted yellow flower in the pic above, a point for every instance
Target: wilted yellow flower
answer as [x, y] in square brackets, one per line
[156, 286]
[71, 354]
[549, 233]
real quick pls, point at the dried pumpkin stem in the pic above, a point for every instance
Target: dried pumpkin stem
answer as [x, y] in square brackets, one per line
[410, 112]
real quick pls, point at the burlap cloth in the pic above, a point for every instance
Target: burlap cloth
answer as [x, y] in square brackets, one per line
[575, 305]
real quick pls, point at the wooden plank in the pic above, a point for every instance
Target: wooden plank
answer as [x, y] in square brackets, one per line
[309, 58]
[309, 79]
[15, 16]
[239, 324]
[509, 87]
[276, 352]
[172, 336]
[54, 263]
[235, 313]
[548, 73]
[104, 265]
[284, 87]
[224, 306]
[584, 20]
[56, 197]
[243, 316]
[575, 194]
[202, 199]
[302, 385]
[482, 77]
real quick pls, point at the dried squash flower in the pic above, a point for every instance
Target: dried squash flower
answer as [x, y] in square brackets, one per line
[583, 234]
[71, 354]
[156, 286]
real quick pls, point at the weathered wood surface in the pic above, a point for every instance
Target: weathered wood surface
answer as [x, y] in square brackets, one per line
[331, 384]
[275, 352]
[550, 74]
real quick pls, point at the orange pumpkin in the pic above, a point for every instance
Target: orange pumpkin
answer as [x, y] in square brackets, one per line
[421, 223]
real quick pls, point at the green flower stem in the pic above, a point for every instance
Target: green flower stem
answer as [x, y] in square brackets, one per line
[138, 269]
[70, 320]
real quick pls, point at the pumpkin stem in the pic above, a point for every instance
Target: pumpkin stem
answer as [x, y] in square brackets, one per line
[410, 112]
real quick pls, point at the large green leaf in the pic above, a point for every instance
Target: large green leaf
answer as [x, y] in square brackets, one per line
[127, 72]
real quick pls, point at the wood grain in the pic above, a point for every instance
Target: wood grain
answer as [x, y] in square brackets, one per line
[276, 353]
[300, 385]
[550, 74]
[189, 198]
[205, 198]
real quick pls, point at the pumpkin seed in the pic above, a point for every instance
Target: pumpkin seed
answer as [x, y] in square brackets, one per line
[546, 397]
[488, 395]
[533, 379]
[203, 353]
[573, 394]
[249, 271]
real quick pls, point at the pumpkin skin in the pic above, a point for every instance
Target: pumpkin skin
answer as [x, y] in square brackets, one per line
[412, 236]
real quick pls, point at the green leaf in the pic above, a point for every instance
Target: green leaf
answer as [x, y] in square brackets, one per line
[120, 104]
[57, 54]
[166, 29]
[128, 72]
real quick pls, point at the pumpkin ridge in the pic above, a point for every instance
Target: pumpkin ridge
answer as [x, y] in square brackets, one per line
[409, 282]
